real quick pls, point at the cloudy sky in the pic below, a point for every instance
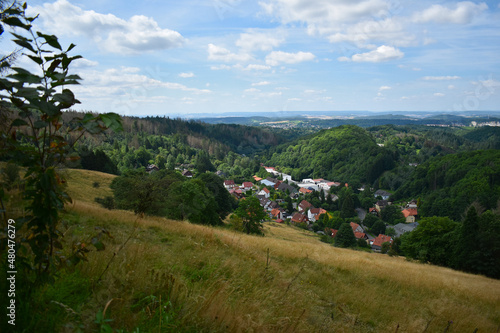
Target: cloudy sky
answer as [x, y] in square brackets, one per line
[156, 57]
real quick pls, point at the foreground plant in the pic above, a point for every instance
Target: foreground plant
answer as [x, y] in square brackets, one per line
[33, 102]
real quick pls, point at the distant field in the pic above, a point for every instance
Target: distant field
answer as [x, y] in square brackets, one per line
[217, 280]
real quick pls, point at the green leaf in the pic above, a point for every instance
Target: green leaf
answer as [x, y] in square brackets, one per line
[66, 99]
[18, 122]
[112, 121]
[51, 40]
[24, 44]
[36, 59]
[15, 22]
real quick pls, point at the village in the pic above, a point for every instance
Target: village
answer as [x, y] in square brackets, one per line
[305, 215]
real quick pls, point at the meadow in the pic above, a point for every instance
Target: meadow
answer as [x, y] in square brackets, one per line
[159, 275]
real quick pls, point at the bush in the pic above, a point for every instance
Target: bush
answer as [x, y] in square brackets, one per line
[107, 202]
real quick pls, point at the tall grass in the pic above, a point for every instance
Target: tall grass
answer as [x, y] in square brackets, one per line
[173, 276]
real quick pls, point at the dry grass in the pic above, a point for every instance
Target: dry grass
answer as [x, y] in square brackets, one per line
[220, 280]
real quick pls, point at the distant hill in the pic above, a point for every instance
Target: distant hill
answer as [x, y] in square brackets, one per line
[346, 153]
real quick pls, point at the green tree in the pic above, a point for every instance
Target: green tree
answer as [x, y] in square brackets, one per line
[432, 241]
[225, 202]
[370, 220]
[251, 214]
[203, 163]
[378, 228]
[34, 101]
[347, 209]
[345, 236]
[391, 214]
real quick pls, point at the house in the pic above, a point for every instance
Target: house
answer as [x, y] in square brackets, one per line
[410, 214]
[237, 193]
[229, 184]
[273, 205]
[356, 227]
[187, 174]
[318, 180]
[270, 169]
[265, 192]
[304, 190]
[247, 186]
[313, 214]
[269, 181]
[381, 193]
[304, 205]
[373, 211]
[277, 213]
[257, 179]
[299, 218]
[308, 181]
[381, 204]
[277, 184]
[264, 202]
[283, 187]
[360, 235]
[402, 228]
[412, 204]
[376, 243]
[326, 185]
[151, 168]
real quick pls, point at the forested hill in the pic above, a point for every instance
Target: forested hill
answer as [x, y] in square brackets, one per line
[346, 153]
[448, 184]
[215, 139]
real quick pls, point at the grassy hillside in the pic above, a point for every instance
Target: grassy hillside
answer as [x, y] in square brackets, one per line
[209, 279]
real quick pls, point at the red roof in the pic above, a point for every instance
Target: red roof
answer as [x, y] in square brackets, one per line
[275, 212]
[354, 226]
[409, 212]
[279, 221]
[257, 179]
[304, 205]
[305, 190]
[382, 239]
[247, 184]
[266, 190]
[360, 235]
[228, 182]
[298, 217]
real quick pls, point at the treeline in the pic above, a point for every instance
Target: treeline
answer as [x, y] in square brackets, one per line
[449, 184]
[202, 200]
[470, 246]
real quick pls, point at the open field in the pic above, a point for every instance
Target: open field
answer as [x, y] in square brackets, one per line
[214, 279]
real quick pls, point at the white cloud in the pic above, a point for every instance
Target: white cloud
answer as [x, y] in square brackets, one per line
[384, 88]
[220, 67]
[218, 53]
[84, 63]
[438, 94]
[252, 90]
[463, 13]
[262, 83]
[113, 34]
[364, 33]
[381, 54]
[259, 41]
[257, 67]
[440, 78]
[186, 75]
[276, 58]
[451, 87]
[322, 14]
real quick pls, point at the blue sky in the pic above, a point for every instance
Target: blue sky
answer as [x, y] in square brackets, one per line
[157, 57]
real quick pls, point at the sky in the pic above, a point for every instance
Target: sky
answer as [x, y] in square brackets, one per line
[156, 57]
